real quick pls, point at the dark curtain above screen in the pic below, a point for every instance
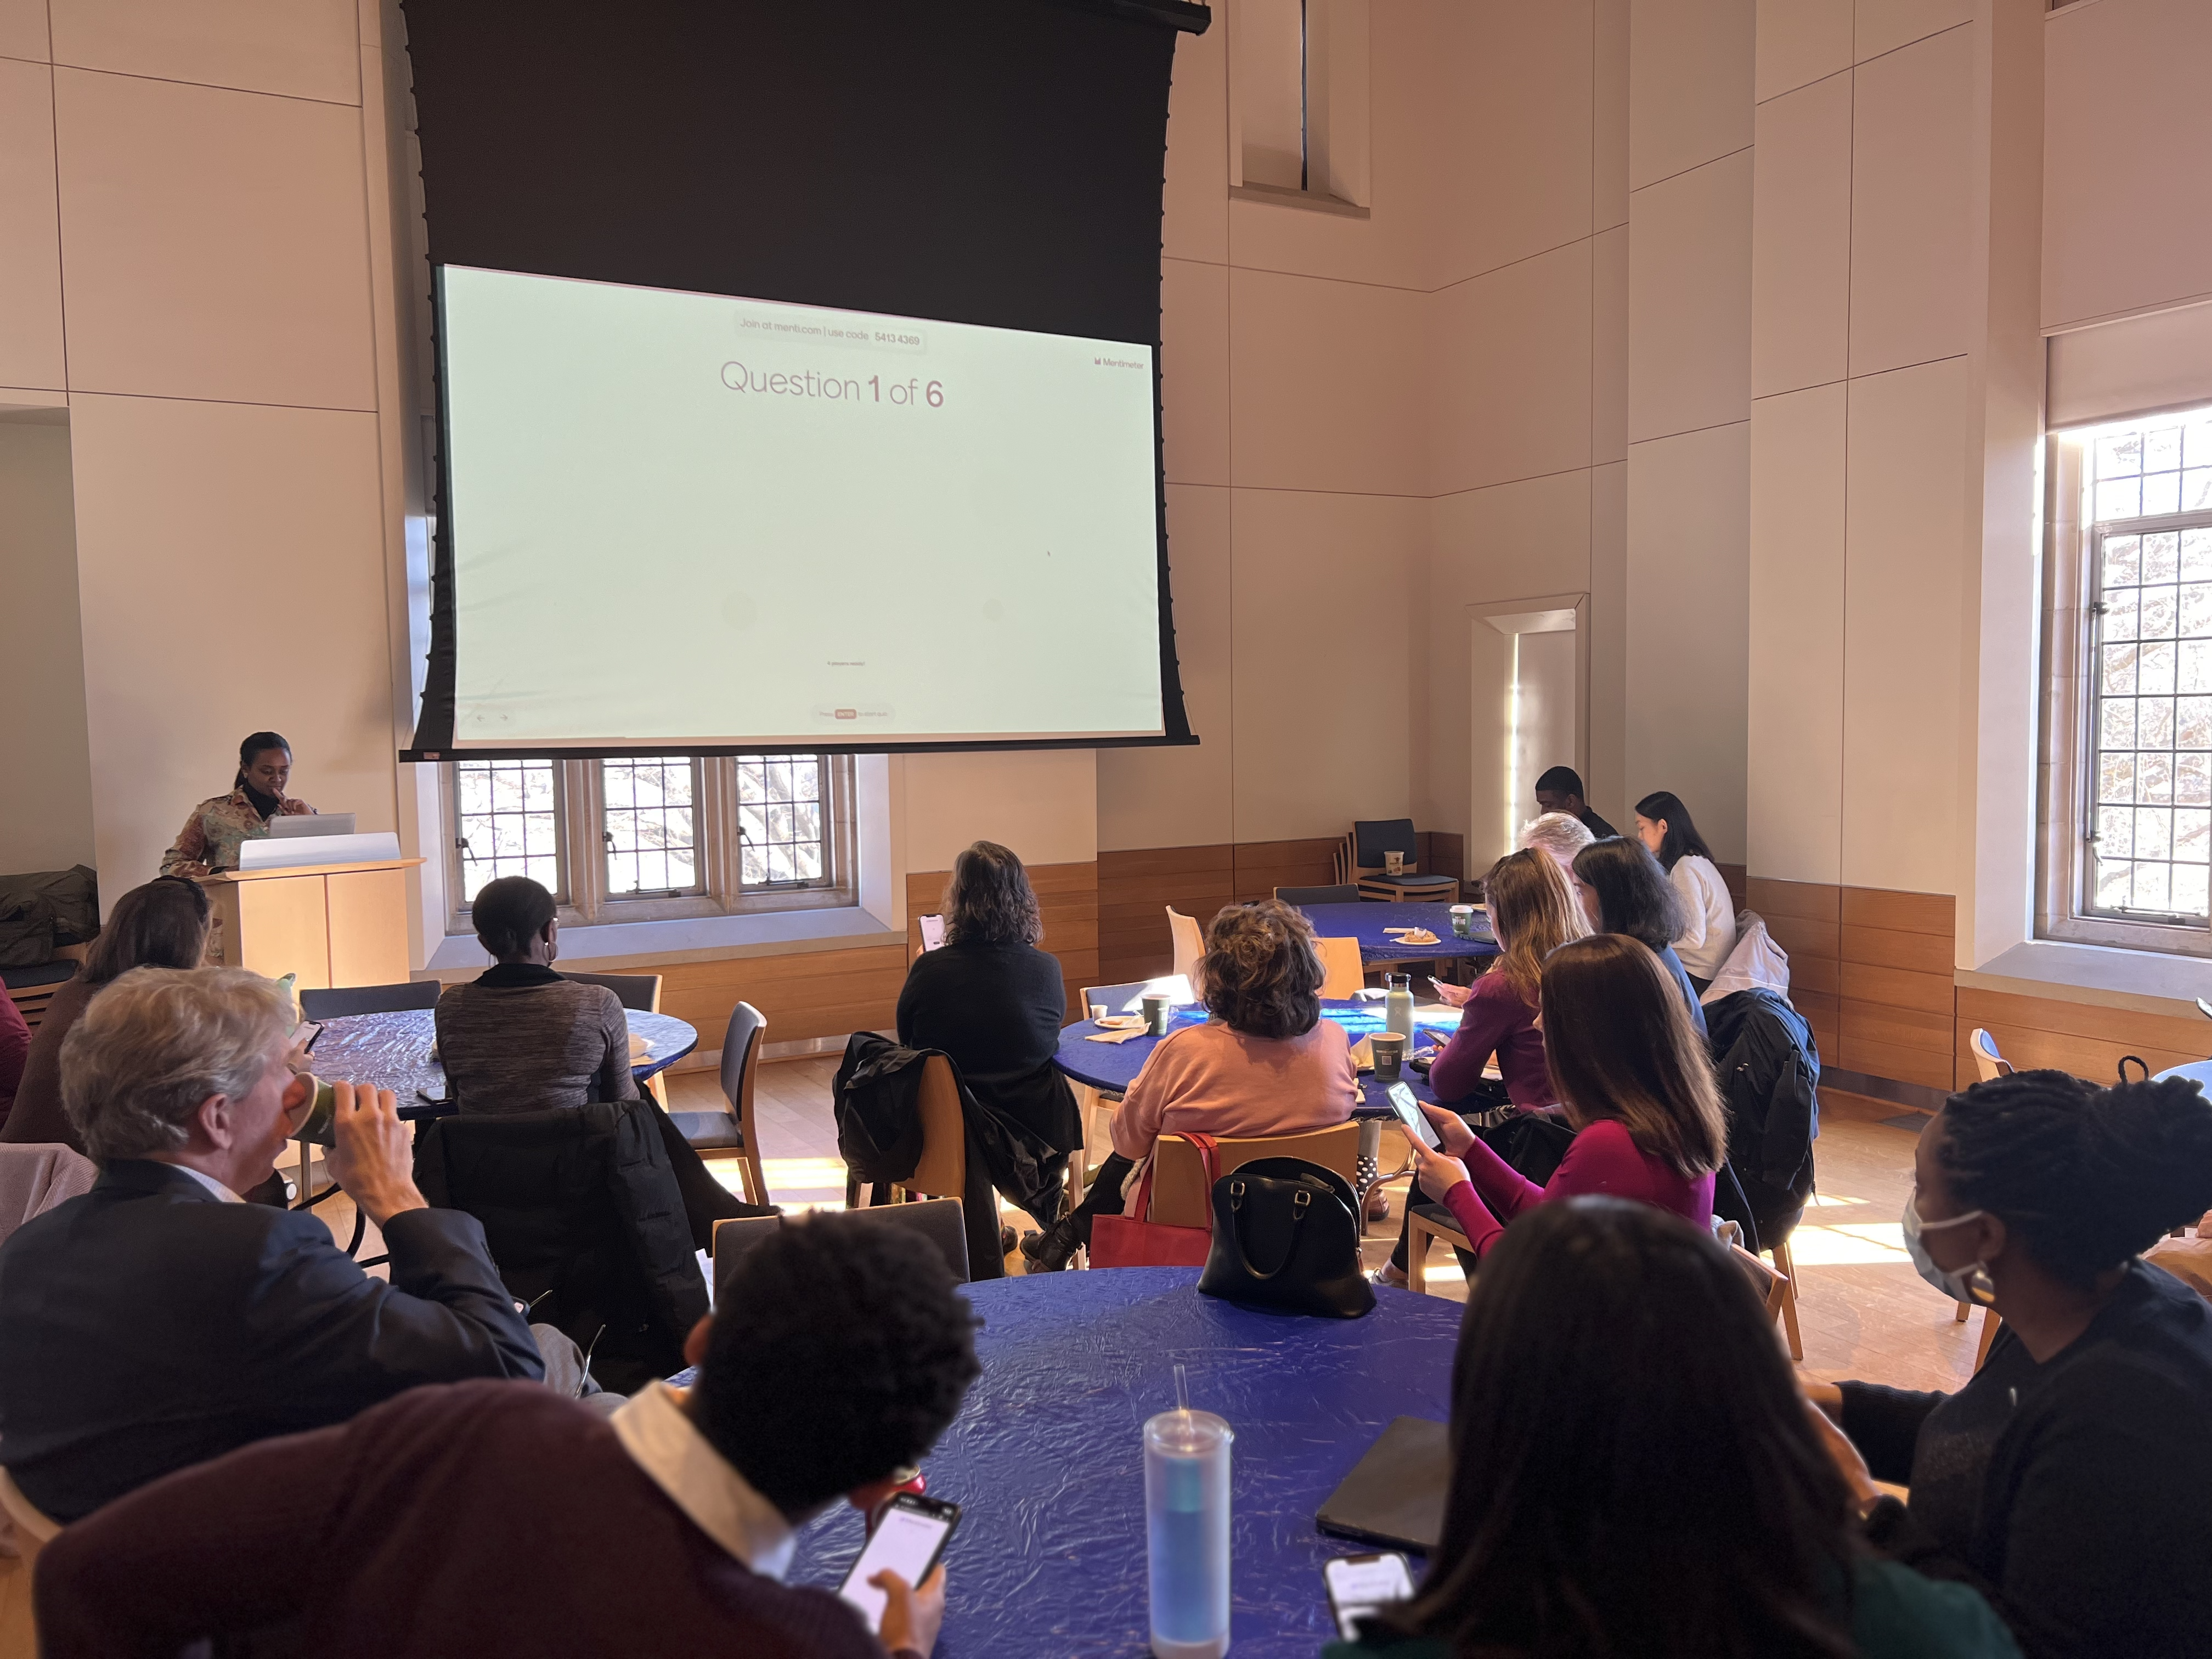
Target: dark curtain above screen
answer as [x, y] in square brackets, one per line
[989, 161]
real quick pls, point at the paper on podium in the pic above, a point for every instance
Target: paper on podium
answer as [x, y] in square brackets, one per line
[301, 851]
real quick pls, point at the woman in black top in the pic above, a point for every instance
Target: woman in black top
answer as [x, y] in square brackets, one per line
[993, 1002]
[2068, 1478]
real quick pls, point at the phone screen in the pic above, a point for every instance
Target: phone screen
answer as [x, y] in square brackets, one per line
[1360, 1585]
[908, 1540]
[1409, 1113]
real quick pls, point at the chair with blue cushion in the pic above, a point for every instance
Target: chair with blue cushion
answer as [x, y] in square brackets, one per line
[732, 1132]
[1363, 858]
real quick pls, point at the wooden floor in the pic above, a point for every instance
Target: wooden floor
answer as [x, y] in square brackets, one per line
[1863, 1311]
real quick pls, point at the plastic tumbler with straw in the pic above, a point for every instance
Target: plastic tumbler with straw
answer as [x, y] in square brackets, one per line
[1186, 1529]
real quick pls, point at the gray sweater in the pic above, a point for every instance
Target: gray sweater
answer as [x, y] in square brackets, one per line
[520, 1038]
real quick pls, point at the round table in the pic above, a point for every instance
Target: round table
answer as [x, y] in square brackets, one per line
[1047, 1462]
[393, 1051]
[2198, 1072]
[1366, 921]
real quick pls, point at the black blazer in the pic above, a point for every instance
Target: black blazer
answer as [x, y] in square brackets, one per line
[997, 1011]
[147, 1325]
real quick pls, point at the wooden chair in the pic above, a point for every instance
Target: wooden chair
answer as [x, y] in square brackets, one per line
[1788, 1269]
[27, 1532]
[638, 991]
[1772, 1285]
[1362, 861]
[734, 1133]
[1343, 974]
[1189, 942]
[1420, 1230]
[344, 1001]
[32, 988]
[1181, 1195]
[1988, 1062]
[942, 1169]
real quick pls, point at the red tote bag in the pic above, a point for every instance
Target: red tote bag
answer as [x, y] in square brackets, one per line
[1129, 1241]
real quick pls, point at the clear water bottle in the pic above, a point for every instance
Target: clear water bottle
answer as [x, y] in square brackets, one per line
[1397, 1004]
[1187, 1533]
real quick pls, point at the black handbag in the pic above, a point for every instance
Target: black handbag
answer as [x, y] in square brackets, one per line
[1286, 1236]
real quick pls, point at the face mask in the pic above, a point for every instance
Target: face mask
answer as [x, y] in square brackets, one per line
[1968, 1283]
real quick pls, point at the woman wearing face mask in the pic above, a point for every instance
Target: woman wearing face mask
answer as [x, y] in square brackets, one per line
[208, 842]
[2068, 1478]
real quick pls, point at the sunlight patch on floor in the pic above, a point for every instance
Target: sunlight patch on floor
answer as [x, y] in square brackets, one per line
[1879, 1244]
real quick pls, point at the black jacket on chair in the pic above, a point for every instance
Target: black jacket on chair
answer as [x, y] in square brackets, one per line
[878, 1099]
[582, 1212]
[1769, 1070]
[995, 1011]
[149, 1325]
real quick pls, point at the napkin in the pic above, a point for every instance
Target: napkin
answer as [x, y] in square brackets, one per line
[640, 1048]
[1116, 1036]
[1363, 1055]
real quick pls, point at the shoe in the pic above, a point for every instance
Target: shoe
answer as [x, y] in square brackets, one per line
[1387, 1275]
[1006, 1239]
[1049, 1252]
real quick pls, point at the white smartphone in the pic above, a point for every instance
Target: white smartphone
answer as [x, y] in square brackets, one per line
[1410, 1113]
[1362, 1585]
[908, 1539]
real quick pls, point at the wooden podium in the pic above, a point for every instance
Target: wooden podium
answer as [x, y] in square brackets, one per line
[331, 924]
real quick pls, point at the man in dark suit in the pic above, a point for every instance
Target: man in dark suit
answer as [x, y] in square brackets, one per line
[160, 1320]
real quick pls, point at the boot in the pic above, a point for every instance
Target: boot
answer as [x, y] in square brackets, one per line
[1049, 1252]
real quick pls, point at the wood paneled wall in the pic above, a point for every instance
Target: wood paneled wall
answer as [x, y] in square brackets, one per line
[2087, 1039]
[1067, 895]
[1870, 969]
[804, 993]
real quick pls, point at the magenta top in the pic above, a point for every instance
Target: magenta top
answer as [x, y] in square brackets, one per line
[1496, 1021]
[1603, 1159]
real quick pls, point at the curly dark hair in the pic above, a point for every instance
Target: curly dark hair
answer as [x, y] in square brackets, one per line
[1261, 973]
[2086, 1176]
[840, 1352]
[989, 900]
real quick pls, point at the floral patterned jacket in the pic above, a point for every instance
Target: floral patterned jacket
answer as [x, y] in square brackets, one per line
[210, 837]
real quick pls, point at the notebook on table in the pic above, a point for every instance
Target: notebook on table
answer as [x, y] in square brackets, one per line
[1395, 1495]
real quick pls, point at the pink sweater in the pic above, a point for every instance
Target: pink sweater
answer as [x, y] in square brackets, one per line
[1219, 1082]
[1603, 1159]
[1495, 1021]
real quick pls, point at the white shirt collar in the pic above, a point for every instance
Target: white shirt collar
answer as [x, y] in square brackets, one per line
[662, 1440]
[210, 1184]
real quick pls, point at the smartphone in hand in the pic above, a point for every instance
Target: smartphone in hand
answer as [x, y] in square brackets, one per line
[910, 1539]
[1362, 1585]
[1415, 1120]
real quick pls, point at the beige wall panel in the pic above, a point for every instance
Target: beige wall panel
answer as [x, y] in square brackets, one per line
[1396, 244]
[23, 29]
[1043, 803]
[2127, 201]
[230, 566]
[1325, 610]
[1795, 796]
[30, 231]
[1194, 223]
[1517, 541]
[1800, 240]
[1902, 616]
[1195, 371]
[1327, 385]
[300, 48]
[1689, 536]
[1609, 346]
[1689, 301]
[1180, 797]
[1883, 25]
[48, 824]
[1801, 41]
[1912, 204]
[1508, 372]
[1520, 86]
[215, 244]
[1607, 780]
[1609, 117]
[1690, 84]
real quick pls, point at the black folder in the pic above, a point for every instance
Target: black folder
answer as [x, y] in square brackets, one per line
[1395, 1495]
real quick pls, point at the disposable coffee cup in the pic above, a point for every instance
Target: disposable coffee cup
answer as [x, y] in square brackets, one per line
[1157, 1008]
[1097, 1014]
[320, 1127]
[1462, 917]
[1394, 864]
[1388, 1049]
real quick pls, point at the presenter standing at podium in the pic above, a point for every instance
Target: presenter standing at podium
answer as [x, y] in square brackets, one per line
[210, 840]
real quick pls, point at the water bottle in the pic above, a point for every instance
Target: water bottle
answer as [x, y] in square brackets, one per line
[1398, 1005]
[1187, 1533]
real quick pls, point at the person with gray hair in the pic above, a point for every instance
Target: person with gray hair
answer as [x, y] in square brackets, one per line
[1560, 834]
[160, 1320]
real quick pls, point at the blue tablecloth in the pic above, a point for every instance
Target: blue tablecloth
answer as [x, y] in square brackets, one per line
[1047, 1466]
[393, 1051]
[1365, 923]
[1113, 1066]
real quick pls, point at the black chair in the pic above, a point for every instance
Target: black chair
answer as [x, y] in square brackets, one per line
[345, 1000]
[1347, 894]
[937, 1222]
[1364, 860]
[733, 1133]
[639, 991]
[582, 1213]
